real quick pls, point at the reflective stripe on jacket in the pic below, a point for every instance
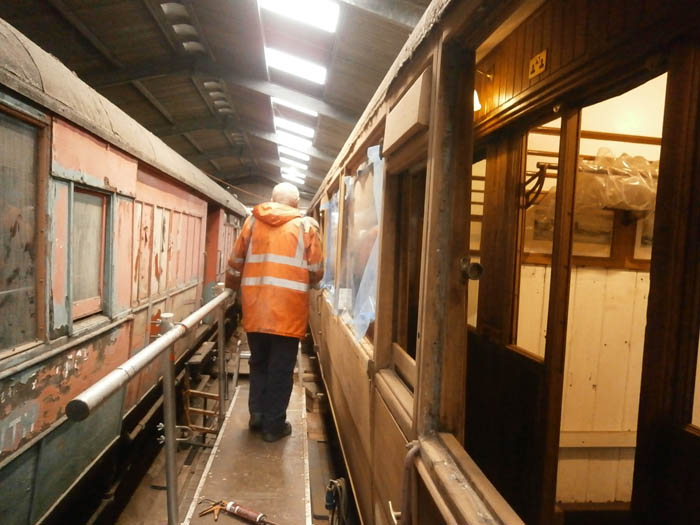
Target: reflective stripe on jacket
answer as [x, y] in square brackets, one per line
[278, 253]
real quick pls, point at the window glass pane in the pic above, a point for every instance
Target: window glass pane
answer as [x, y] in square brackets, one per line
[87, 245]
[356, 296]
[331, 239]
[17, 232]
[539, 199]
[476, 220]
[409, 242]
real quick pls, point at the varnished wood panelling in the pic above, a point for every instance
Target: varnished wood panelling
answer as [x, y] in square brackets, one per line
[505, 447]
[575, 34]
[349, 392]
[388, 452]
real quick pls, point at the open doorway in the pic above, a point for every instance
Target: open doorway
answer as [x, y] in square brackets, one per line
[615, 201]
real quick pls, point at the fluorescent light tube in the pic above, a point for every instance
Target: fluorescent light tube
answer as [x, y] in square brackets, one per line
[294, 65]
[318, 13]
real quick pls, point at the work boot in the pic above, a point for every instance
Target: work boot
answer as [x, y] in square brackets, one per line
[275, 436]
[255, 422]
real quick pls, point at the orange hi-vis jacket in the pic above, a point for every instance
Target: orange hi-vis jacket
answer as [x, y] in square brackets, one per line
[278, 253]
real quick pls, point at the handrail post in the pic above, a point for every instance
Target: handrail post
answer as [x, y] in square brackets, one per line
[168, 360]
[220, 332]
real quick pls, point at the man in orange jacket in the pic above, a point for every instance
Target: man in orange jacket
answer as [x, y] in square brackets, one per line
[278, 257]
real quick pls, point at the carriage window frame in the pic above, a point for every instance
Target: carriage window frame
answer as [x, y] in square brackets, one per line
[28, 115]
[89, 306]
[404, 336]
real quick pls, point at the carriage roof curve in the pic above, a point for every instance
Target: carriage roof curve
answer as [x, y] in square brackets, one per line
[27, 69]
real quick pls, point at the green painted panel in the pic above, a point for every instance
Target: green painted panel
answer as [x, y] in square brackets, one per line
[16, 488]
[67, 452]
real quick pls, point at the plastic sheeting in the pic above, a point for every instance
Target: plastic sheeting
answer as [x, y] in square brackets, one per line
[621, 183]
[608, 182]
[358, 280]
[328, 281]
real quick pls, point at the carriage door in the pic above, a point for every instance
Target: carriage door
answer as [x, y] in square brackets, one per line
[667, 460]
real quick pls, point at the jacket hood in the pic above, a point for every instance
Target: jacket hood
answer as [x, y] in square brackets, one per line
[274, 213]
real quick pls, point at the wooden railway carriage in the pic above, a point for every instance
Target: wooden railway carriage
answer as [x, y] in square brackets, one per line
[566, 379]
[103, 228]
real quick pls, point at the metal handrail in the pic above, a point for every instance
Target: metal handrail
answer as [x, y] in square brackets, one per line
[82, 405]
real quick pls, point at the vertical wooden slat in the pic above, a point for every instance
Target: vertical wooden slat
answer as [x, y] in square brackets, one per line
[528, 51]
[442, 331]
[517, 60]
[554, 53]
[568, 22]
[586, 12]
[558, 306]
[536, 41]
[497, 287]
[547, 14]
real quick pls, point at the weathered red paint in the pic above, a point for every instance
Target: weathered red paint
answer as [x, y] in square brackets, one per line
[33, 400]
[76, 150]
[123, 250]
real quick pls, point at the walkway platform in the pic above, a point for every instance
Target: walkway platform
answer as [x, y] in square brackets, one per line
[272, 478]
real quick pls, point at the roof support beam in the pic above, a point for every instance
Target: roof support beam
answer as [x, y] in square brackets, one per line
[207, 68]
[229, 125]
[233, 152]
[238, 176]
[398, 11]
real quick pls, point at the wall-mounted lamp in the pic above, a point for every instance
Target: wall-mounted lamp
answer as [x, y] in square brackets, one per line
[487, 75]
[477, 104]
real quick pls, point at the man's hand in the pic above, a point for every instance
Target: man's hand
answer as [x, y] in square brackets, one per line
[233, 280]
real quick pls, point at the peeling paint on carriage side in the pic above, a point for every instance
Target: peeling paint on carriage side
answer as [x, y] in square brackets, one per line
[84, 159]
[58, 239]
[35, 399]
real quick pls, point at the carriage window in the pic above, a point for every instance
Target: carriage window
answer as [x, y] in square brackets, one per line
[538, 200]
[357, 289]
[87, 252]
[476, 220]
[409, 241]
[18, 167]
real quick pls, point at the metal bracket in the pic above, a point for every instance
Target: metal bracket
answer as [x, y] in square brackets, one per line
[395, 515]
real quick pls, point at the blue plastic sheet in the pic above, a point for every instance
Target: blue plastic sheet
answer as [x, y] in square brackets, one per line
[358, 280]
[328, 281]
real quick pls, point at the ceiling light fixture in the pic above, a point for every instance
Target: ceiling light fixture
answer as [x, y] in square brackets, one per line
[294, 163]
[318, 13]
[295, 107]
[293, 153]
[292, 178]
[294, 127]
[293, 65]
[293, 171]
[293, 141]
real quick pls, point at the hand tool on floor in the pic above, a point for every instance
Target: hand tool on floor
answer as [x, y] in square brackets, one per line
[234, 508]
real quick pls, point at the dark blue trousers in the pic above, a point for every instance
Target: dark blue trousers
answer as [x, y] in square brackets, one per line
[272, 360]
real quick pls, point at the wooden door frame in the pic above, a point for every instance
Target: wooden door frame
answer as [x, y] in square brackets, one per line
[671, 343]
[442, 332]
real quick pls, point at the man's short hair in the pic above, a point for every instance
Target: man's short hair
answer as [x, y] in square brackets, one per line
[286, 193]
